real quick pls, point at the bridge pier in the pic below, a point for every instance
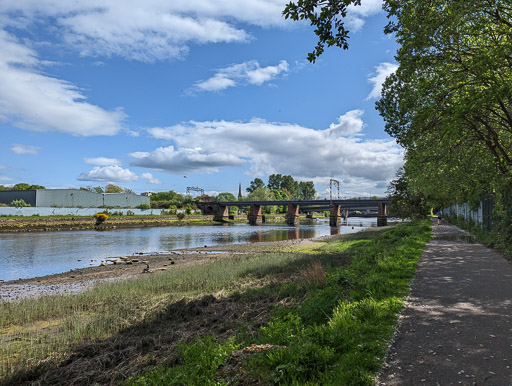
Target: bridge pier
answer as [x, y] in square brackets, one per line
[334, 218]
[293, 214]
[254, 214]
[382, 215]
[221, 213]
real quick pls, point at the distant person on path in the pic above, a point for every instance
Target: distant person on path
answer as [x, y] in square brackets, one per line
[438, 217]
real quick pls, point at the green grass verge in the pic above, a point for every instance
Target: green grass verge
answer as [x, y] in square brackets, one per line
[339, 332]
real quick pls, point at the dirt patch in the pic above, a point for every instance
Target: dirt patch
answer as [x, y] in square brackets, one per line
[152, 343]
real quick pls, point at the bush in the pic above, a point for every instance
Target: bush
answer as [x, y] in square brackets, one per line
[180, 216]
[143, 206]
[19, 204]
[100, 218]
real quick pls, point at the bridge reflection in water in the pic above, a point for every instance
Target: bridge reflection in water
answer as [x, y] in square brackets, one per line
[337, 209]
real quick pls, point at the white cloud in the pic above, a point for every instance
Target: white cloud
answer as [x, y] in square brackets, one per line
[103, 161]
[149, 178]
[185, 160]
[144, 30]
[5, 178]
[268, 147]
[25, 149]
[34, 101]
[108, 174]
[348, 124]
[382, 71]
[241, 74]
[357, 13]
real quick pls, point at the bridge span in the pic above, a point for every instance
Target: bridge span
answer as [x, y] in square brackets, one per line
[336, 208]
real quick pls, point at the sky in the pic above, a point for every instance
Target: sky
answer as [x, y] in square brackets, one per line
[158, 95]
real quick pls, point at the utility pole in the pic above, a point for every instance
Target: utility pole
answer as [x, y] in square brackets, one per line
[336, 184]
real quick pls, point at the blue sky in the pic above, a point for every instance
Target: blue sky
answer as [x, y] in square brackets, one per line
[159, 95]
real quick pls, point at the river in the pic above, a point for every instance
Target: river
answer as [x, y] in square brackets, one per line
[25, 255]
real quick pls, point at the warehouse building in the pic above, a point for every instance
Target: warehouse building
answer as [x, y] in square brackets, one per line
[73, 198]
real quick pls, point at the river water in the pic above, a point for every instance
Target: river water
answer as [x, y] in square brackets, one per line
[25, 255]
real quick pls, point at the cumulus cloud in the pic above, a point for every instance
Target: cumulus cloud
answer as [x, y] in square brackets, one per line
[357, 13]
[33, 101]
[185, 160]
[103, 161]
[241, 74]
[269, 147]
[348, 124]
[108, 174]
[382, 71]
[25, 149]
[144, 30]
[150, 179]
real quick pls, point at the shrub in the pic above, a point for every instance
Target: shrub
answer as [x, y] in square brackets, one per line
[19, 203]
[143, 206]
[180, 216]
[100, 218]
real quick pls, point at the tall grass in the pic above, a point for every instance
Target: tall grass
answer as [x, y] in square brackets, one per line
[340, 331]
[37, 329]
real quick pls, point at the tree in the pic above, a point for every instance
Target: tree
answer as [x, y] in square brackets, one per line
[275, 181]
[21, 186]
[405, 200]
[307, 190]
[226, 196]
[111, 188]
[449, 103]
[256, 183]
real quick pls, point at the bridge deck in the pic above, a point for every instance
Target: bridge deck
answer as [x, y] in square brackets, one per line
[310, 203]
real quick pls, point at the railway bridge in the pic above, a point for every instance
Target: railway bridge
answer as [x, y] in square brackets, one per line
[337, 209]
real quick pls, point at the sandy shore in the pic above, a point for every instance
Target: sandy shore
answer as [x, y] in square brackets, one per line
[79, 280]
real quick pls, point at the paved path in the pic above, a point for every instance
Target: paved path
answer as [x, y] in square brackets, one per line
[457, 325]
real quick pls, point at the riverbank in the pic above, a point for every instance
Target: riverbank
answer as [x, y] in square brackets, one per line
[15, 224]
[308, 311]
[124, 267]
[69, 223]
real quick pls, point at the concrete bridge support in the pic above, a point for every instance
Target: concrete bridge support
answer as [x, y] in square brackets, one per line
[334, 218]
[221, 213]
[293, 214]
[382, 215]
[254, 215]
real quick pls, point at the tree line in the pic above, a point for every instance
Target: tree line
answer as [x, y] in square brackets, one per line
[449, 104]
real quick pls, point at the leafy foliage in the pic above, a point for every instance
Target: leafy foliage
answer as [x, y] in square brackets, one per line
[327, 18]
[255, 184]
[19, 203]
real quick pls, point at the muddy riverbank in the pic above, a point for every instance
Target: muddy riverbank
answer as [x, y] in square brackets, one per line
[123, 267]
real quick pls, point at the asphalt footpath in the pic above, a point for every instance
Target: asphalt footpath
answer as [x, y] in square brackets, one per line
[456, 327]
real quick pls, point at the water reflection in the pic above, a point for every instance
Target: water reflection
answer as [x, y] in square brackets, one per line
[25, 255]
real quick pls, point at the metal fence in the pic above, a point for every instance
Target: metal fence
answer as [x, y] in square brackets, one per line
[481, 215]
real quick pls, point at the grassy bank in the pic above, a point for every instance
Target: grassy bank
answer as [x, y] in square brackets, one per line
[496, 239]
[319, 314]
[57, 223]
